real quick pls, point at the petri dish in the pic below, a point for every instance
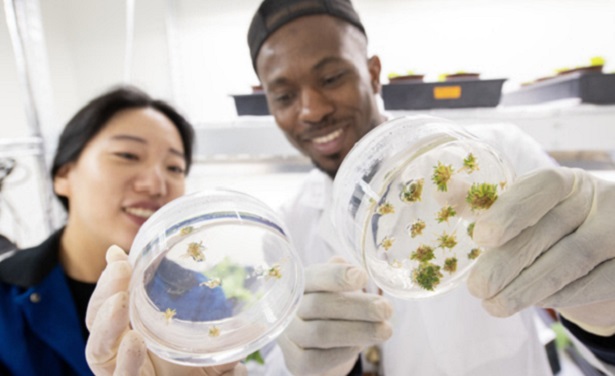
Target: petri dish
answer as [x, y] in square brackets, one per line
[405, 200]
[215, 278]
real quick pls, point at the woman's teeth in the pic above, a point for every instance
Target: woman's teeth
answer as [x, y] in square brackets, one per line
[327, 138]
[140, 212]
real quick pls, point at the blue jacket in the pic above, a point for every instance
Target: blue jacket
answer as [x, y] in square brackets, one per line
[40, 332]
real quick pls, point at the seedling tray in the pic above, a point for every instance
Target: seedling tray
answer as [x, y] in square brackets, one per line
[594, 88]
[251, 104]
[453, 94]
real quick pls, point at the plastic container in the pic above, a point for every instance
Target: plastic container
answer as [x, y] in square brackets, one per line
[457, 94]
[251, 104]
[405, 199]
[215, 278]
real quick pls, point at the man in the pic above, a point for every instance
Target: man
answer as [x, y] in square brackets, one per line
[321, 87]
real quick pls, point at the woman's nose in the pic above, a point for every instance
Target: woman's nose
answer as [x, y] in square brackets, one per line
[152, 181]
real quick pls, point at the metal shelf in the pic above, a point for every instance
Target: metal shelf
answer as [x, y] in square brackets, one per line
[563, 126]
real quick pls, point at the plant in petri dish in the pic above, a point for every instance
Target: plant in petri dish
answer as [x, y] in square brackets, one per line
[471, 230]
[274, 271]
[482, 195]
[195, 251]
[427, 275]
[169, 313]
[214, 331]
[447, 241]
[450, 265]
[441, 175]
[474, 253]
[387, 242]
[186, 230]
[470, 164]
[385, 208]
[445, 213]
[423, 253]
[412, 191]
[212, 283]
[416, 228]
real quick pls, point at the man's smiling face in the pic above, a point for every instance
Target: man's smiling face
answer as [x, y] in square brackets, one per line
[320, 87]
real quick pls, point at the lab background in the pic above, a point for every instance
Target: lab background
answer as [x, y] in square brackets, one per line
[57, 54]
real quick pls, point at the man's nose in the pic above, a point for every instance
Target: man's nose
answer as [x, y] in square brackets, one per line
[315, 106]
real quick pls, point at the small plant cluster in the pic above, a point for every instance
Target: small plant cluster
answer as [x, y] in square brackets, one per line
[412, 191]
[441, 175]
[482, 196]
[385, 208]
[387, 243]
[445, 213]
[417, 227]
[195, 251]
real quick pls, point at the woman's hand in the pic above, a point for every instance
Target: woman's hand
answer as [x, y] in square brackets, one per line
[113, 348]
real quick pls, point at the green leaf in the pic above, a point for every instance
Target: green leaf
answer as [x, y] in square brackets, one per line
[255, 357]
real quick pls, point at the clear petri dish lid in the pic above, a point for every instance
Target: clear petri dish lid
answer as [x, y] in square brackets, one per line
[405, 200]
[215, 278]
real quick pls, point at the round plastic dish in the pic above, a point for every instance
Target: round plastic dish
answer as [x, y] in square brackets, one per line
[405, 200]
[215, 278]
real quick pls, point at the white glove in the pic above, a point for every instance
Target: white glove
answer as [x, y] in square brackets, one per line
[551, 241]
[113, 348]
[335, 321]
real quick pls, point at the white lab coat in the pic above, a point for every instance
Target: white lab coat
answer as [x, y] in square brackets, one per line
[447, 335]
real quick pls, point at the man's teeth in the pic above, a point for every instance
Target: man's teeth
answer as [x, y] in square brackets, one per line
[139, 212]
[330, 137]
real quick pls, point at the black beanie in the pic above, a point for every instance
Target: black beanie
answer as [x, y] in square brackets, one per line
[273, 14]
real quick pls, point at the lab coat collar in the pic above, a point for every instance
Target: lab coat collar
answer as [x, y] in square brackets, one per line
[317, 190]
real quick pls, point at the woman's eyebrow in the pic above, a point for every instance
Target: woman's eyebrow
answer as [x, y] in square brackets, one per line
[128, 137]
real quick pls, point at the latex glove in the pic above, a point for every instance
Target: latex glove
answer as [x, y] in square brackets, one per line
[335, 321]
[113, 348]
[552, 244]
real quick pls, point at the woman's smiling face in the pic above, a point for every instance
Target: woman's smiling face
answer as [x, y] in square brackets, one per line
[132, 167]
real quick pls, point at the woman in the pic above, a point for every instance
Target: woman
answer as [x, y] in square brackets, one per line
[118, 160]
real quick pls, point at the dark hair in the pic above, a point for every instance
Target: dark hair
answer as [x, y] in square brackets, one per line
[273, 14]
[94, 116]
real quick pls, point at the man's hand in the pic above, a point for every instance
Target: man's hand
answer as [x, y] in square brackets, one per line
[551, 242]
[335, 321]
[113, 348]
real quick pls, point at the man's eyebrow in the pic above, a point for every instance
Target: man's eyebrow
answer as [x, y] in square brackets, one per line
[128, 137]
[281, 81]
[325, 61]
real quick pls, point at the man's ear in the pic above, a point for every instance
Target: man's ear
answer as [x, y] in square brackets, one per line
[374, 67]
[61, 185]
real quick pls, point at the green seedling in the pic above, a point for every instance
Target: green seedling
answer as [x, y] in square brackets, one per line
[423, 253]
[447, 241]
[450, 265]
[417, 228]
[482, 196]
[412, 191]
[441, 175]
[427, 275]
[445, 213]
